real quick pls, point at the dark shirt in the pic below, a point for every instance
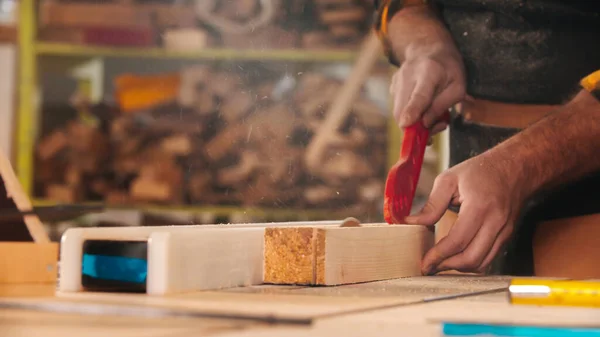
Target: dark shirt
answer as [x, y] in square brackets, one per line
[522, 51]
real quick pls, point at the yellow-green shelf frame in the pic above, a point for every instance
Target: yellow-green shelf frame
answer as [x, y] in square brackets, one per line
[62, 49]
[27, 119]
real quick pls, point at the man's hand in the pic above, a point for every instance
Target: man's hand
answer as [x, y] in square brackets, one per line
[490, 199]
[425, 87]
[492, 187]
[431, 77]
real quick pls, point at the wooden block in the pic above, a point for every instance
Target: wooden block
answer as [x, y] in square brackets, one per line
[56, 13]
[150, 190]
[108, 36]
[223, 255]
[184, 39]
[343, 15]
[334, 256]
[28, 262]
[178, 145]
[8, 34]
[62, 193]
[52, 144]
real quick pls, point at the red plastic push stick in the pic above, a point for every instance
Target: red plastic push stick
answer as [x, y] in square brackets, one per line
[401, 184]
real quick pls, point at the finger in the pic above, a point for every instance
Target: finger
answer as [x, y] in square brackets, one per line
[419, 101]
[444, 101]
[393, 84]
[458, 239]
[503, 237]
[438, 127]
[403, 88]
[470, 259]
[444, 188]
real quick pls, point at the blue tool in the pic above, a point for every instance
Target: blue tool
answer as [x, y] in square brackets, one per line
[114, 265]
[474, 329]
[115, 268]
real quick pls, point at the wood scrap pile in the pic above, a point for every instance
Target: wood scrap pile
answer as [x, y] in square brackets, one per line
[257, 24]
[208, 136]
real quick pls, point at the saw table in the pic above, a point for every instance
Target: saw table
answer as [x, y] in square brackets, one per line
[412, 306]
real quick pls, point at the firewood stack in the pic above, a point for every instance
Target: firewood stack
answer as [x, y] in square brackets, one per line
[219, 141]
[172, 24]
[341, 23]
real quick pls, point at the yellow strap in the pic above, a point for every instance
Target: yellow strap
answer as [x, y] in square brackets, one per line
[591, 82]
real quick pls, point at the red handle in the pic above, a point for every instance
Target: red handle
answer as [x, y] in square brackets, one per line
[402, 180]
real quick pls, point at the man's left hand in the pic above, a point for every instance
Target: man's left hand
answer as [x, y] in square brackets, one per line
[489, 197]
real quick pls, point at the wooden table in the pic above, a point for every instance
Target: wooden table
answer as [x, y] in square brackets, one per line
[386, 308]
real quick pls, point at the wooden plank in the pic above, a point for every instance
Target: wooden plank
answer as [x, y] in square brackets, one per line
[64, 14]
[30, 323]
[224, 255]
[334, 256]
[273, 307]
[8, 34]
[25, 290]
[405, 290]
[28, 262]
[204, 259]
[16, 195]
[56, 13]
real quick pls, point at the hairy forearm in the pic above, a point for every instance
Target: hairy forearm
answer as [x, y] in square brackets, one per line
[560, 148]
[417, 31]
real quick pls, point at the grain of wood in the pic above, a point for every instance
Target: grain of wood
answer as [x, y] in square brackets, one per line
[344, 255]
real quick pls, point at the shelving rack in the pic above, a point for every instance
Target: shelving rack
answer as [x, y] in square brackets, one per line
[32, 51]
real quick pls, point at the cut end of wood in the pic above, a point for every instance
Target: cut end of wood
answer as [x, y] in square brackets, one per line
[290, 255]
[344, 255]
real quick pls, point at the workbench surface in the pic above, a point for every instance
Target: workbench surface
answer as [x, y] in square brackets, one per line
[385, 308]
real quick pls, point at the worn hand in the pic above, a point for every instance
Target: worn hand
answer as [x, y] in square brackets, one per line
[426, 86]
[489, 198]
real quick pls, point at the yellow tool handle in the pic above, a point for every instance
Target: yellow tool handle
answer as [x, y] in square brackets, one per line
[578, 293]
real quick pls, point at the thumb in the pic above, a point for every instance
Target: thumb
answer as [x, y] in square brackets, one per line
[444, 188]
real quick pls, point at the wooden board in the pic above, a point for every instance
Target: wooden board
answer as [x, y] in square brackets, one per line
[291, 303]
[387, 308]
[115, 14]
[223, 255]
[334, 256]
[29, 323]
[28, 263]
[284, 308]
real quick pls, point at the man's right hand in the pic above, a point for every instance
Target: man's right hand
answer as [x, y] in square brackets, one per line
[431, 78]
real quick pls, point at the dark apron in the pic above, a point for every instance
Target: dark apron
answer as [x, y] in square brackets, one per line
[524, 52]
[580, 198]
